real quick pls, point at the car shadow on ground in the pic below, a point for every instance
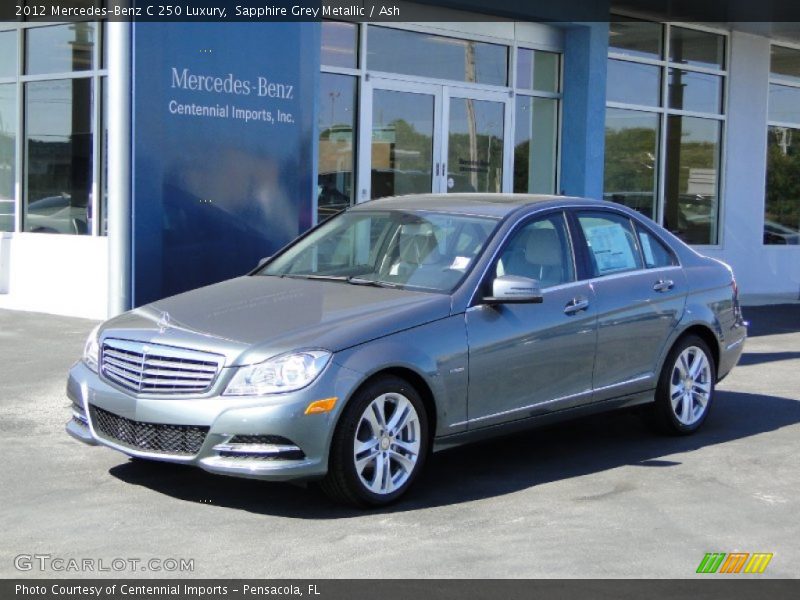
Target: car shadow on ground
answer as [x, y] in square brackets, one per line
[772, 320]
[489, 469]
[759, 358]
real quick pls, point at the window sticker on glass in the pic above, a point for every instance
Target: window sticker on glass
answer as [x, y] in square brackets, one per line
[460, 263]
[610, 248]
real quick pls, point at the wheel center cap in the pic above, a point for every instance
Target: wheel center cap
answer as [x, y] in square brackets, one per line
[385, 441]
[688, 383]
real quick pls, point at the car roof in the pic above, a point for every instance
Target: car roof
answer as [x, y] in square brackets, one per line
[490, 205]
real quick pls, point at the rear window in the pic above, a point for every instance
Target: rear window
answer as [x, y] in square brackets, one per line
[653, 250]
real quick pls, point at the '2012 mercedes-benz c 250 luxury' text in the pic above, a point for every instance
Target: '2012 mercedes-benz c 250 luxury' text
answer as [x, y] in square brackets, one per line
[407, 324]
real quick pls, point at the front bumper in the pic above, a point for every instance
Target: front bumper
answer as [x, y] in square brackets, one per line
[225, 417]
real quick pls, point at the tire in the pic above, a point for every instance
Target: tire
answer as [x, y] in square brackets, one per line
[379, 471]
[684, 397]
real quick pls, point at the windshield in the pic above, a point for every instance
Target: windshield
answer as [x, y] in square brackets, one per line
[415, 250]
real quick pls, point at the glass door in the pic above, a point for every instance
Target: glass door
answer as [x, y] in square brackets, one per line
[425, 137]
[475, 141]
[403, 145]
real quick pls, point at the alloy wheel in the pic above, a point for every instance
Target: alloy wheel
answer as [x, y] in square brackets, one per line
[690, 385]
[387, 443]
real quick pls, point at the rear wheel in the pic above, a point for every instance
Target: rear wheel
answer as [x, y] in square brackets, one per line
[685, 388]
[379, 446]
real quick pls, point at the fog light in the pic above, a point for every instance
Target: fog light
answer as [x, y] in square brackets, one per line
[321, 406]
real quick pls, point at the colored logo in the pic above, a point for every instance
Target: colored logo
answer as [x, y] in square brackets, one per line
[735, 562]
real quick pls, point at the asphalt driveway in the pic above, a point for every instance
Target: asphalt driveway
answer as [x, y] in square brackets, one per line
[600, 497]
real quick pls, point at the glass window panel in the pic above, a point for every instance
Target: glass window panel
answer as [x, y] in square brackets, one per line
[631, 159]
[475, 146]
[785, 63]
[540, 251]
[438, 57]
[535, 137]
[8, 53]
[58, 147]
[698, 92]
[339, 44]
[699, 48]
[654, 252]
[782, 209]
[612, 245]
[784, 103]
[8, 140]
[402, 143]
[60, 48]
[692, 178]
[635, 38]
[537, 70]
[336, 124]
[633, 83]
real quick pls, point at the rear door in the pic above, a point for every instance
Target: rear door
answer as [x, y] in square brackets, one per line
[639, 293]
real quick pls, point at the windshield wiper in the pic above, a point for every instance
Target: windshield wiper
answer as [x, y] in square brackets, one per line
[322, 277]
[370, 282]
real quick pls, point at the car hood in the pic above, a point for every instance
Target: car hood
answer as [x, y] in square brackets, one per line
[255, 317]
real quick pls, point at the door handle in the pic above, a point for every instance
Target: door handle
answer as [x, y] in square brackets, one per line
[663, 285]
[576, 305]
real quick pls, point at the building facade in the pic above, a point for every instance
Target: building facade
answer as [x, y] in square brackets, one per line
[139, 160]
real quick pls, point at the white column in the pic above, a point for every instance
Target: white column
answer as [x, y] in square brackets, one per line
[119, 167]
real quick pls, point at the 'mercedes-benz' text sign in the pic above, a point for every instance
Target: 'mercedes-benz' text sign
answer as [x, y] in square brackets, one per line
[223, 148]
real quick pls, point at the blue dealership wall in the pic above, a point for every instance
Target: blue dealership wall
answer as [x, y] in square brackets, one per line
[222, 165]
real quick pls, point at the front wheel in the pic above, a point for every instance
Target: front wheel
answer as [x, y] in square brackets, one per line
[685, 388]
[379, 446]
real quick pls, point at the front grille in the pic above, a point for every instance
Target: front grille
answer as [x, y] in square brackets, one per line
[149, 437]
[158, 369]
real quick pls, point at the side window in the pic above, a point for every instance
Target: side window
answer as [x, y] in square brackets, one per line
[654, 252]
[612, 245]
[541, 251]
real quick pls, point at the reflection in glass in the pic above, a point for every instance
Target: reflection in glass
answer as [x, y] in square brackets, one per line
[339, 44]
[58, 148]
[785, 63]
[691, 178]
[475, 146]
[535, 134]
[59, 48]
[537, 70]
[438, 57]
[784, 103]
[402, 143]
[699, 48]
[336, 123]
[635, 38]
[633, 83]
[8, 53]
[782, 210]
[631, 159]
[698, 92]
[8, 136]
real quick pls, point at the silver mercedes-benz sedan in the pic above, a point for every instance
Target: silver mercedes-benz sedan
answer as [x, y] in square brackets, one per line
[410, 324]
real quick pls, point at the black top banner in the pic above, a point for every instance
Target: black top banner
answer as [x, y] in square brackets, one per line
[709, 11]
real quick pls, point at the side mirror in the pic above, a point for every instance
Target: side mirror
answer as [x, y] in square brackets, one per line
[263, 261]
[511, 289]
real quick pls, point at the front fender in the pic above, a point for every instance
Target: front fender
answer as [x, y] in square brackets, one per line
[436, 352]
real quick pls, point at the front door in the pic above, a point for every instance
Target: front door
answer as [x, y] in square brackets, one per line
[435, 138]
[528, 359]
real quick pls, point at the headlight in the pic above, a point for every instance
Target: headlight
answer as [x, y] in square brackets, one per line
[91, 350]
[285, 373]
